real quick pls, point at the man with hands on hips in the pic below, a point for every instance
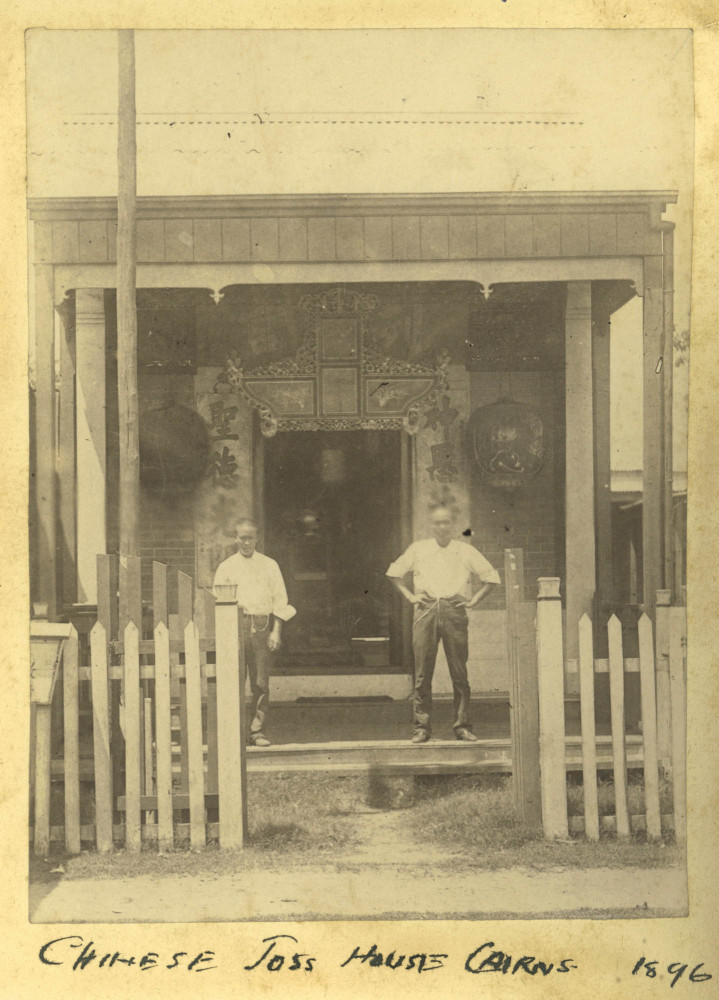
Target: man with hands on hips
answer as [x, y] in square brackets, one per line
[442, 568]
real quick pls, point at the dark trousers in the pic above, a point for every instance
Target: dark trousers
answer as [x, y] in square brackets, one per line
[258, 659]
[435, 620]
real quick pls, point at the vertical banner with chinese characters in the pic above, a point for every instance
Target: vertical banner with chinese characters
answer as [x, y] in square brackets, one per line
[226, 492]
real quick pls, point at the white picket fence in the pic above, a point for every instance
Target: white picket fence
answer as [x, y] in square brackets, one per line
[662, 679]
[191, 667]
[141, 673]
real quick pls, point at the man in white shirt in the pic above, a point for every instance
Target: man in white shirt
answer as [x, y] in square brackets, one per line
[442, 569]
[262, 595]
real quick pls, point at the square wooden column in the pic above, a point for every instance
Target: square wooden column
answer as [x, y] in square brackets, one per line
[90, 437]
[580, 571]
[653, 500]
[602, 305]
[66, 465]
[669, 582]
[44, 472]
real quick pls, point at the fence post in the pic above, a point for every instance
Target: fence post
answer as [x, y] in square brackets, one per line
[42, 778]
[649, 728]
[664, 701]
[231, 763]
[101, 738]
[524, 701]
[550, 677]
[72, 743]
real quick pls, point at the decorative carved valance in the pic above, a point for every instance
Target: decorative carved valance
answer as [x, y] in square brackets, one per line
[339, 379]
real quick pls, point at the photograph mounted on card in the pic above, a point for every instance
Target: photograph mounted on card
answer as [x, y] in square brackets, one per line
[358, 422]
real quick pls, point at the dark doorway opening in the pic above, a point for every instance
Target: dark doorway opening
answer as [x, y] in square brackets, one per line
[332, 520]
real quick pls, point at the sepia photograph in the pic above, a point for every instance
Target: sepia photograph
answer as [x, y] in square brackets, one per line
[358, 369]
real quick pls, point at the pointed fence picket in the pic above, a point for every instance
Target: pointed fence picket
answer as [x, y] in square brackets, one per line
[616, 698]
[148, 754]
[589, 739]
[184, 616]
[647, 682]
[195, 764]
[108, 615]
[163, 736]
[133, 772]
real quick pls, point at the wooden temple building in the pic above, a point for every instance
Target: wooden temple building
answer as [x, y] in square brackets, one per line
[332, 365]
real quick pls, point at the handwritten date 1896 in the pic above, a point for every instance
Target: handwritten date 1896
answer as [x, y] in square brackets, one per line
[676, 970]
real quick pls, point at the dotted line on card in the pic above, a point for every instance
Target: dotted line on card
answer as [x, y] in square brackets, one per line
[335, 121]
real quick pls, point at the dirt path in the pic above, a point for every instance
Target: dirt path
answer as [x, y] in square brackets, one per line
[384, 839]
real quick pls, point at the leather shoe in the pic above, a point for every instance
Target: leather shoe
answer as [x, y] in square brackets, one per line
[420, 736]
[467, 735]
[260, 741]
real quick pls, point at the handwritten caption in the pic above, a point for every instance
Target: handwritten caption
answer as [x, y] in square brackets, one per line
[281, 952]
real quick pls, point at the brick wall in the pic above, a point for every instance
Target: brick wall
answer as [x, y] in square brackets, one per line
[166, 519]
[530, 517]
[167, 536]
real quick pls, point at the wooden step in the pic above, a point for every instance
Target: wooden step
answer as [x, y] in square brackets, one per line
[400, 757]
[393, 757]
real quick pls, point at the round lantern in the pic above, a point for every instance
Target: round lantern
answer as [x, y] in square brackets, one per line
[174, 449]
[508, 442]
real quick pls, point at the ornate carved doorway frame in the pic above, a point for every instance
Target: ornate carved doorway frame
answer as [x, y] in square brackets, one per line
[340, 378]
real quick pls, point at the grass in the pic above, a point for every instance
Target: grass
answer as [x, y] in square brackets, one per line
[475, 819]
[301, 813]
[605, 796]
[466, 824]
[293, 820]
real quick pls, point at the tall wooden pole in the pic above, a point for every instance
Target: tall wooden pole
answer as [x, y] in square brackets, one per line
[126, 305]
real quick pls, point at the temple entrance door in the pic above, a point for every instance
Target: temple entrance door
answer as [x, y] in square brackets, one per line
[333, 520]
